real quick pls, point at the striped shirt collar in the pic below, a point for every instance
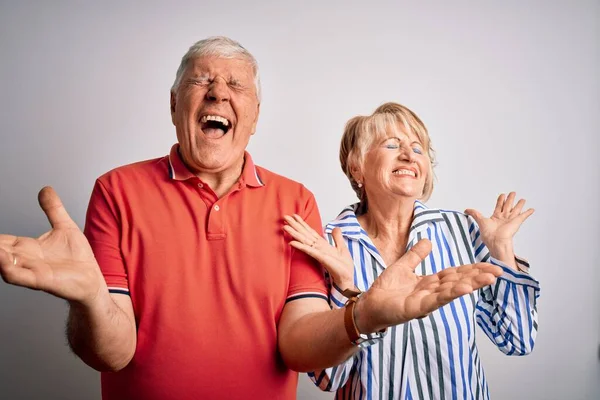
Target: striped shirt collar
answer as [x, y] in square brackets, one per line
[178, 171]
[350, 227]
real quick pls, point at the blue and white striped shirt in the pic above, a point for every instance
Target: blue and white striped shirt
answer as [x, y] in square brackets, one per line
[434, 357]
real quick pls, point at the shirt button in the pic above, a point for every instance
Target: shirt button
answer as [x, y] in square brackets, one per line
[200, 185]
[217, 207]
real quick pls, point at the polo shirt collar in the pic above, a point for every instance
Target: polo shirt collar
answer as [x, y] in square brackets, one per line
[178, 171]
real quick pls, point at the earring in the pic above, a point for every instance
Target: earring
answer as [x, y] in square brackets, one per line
[359, 184]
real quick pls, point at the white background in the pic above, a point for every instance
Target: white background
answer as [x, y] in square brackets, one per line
[510, 92]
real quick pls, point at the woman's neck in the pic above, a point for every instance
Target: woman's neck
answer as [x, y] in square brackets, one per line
[388, 227]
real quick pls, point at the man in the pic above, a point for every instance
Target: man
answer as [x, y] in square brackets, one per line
[184, 285]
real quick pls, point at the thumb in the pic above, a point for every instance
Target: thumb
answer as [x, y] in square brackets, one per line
[475, 214]
[414, 256]
[338, 239]
[53, 208]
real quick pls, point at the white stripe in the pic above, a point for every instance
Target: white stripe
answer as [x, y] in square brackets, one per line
[172, 169]
[306, 293]
[118, 288]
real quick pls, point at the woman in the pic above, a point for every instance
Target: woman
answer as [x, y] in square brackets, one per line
[388, 159]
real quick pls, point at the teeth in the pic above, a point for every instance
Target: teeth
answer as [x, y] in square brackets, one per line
[404, 172]
[222, 120]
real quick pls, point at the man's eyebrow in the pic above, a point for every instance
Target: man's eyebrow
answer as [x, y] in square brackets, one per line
[199, 76]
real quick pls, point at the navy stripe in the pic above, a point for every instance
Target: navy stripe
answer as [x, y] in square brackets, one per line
[529, 324]
[306, 295]
[119, 291]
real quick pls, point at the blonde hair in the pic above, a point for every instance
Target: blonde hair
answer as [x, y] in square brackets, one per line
[362, 131]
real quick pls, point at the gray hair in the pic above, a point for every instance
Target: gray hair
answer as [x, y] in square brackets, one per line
[219, 46]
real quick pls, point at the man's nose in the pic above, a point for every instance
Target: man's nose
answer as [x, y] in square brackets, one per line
[218, 91]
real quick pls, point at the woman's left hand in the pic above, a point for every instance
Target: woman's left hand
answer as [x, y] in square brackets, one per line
[497, 231]
[336, 260]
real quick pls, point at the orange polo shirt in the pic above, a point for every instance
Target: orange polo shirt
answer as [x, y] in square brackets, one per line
[208, 278]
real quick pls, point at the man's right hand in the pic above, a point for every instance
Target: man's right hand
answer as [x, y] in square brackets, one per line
[60, 262]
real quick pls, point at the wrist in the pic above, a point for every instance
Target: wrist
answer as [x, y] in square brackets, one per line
[361, 317]
[358, 325]
[504, 251]
[99, 300]
[343, 285]
[501, 247]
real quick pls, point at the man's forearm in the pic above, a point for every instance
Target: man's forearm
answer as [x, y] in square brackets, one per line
[316, 341]
[101, 334]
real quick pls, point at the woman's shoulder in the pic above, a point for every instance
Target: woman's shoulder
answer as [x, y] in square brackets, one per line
[346, 220]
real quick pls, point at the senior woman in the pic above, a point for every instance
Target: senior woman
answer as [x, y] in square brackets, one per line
[388, 159]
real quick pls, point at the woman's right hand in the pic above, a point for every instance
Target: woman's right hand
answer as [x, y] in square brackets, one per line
[59, 262]
[336, 260]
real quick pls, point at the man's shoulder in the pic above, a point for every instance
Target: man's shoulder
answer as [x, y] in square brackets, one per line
[138, 172]
[280, 182]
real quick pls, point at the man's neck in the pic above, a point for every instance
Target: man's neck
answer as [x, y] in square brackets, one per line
[222, 182]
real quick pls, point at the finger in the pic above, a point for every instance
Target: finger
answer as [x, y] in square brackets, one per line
[311, 251]
[296, 235]
[433, 301]
[8, 240]
[475, 277]
[458, 289]
[517, 208]
[508, 204]
[12, 271]
[413, 257]
[526, 214]
[499, 204]
[483, 268]
[306, 237]
[54, 209]
[299, 228]
[7, 258]
[338, 239]
[307, 227]
[477, 216]
[482, 280]
[479, 280]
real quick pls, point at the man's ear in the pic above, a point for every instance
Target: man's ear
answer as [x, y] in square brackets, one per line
[253, 131]
[173, 104]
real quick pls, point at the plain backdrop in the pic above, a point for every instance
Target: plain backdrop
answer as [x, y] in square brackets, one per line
[510, 92]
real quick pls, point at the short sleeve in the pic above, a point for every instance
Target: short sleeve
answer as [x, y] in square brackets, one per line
[102, 229]
[306, 274]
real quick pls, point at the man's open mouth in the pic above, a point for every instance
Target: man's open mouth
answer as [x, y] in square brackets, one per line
[214, 125]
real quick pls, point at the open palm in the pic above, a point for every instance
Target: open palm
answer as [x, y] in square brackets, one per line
[60, 262]
[504, 222]
[336, 260]
[399, 295]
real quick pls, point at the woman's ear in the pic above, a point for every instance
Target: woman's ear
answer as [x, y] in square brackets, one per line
[356, 173]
